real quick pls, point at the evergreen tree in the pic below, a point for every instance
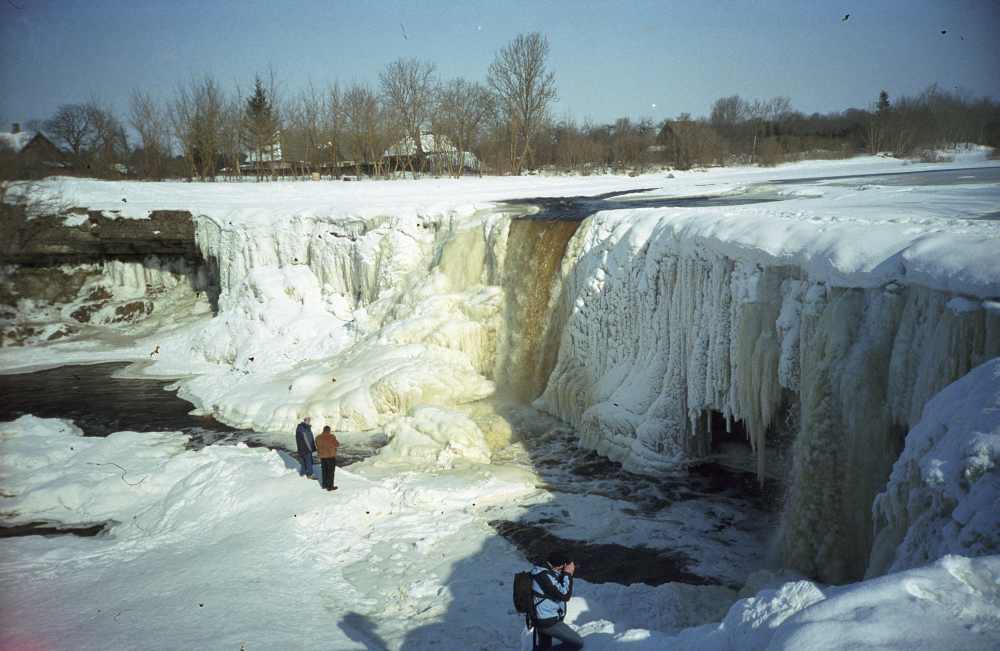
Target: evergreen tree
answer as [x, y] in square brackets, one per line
[261, 125]
[882, 108]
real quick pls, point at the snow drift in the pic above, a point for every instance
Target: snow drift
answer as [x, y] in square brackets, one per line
[943, 496]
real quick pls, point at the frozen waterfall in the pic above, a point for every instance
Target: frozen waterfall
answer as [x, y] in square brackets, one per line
[637, 336]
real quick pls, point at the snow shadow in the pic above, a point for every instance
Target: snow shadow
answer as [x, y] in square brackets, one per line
[361, 629]
[703, 527]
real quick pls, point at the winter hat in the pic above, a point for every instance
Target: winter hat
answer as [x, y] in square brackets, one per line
[555, 559]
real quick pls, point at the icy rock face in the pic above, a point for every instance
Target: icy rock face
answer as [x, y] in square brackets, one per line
[943, 496]
[354, 258]
[272, 302]
[51, 303]
[662, 331]
[353, 322]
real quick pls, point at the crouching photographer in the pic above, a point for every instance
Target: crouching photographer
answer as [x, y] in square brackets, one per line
[553, 584]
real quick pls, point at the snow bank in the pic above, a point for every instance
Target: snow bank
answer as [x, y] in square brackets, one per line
[952, 604]
[436, 436]
[943, 496]
[54, 473]
[228, 546]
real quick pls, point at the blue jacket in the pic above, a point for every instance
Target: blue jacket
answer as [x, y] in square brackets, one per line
[304, 441]
[552, 591]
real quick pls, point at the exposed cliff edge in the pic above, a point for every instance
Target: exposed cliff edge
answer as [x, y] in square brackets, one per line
[84, 236]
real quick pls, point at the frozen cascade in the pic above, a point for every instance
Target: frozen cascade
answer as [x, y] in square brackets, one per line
[360, 320]
[353, 258]
[662, 332]
[630, 333]
[152, 275]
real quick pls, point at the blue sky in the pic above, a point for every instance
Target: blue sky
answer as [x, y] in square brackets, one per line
[641, 58]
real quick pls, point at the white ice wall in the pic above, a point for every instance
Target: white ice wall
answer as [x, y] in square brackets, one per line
[943, 496]
[655, 330]
[353, 321]
[354, 258]
[662, 331]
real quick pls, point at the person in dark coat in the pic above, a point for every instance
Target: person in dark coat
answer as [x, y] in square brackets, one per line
[305, 445]
[326, 445]
[554, 588]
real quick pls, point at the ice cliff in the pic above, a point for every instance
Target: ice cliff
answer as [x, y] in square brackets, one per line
[823, 323]
[662, 331]
[624, 326]
[943, 496]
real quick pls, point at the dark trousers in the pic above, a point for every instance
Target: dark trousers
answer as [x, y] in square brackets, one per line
[569, 640]
[328, 466]
[306, 461]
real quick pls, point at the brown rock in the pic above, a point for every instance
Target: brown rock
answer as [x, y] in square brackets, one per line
[84, 313]
[133, 311]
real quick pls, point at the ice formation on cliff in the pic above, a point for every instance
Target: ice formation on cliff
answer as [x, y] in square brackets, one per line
[662, 332]
[943, 496]
[831, 317]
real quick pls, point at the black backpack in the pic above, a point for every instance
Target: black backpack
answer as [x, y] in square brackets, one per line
[524, 595]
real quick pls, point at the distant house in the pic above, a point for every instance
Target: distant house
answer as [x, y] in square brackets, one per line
[272, 161]
[30, 154]
[268, 160]
[440, 156]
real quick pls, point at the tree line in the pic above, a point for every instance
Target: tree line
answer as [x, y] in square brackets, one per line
[507, 121]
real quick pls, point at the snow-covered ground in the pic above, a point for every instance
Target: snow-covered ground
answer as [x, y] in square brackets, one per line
[384, 307]
[228, 547]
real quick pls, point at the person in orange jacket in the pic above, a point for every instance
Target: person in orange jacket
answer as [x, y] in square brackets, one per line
[326, 445]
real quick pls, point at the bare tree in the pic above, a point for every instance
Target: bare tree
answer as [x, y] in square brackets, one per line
[304, 137]
[149, 121]
[71, 125]
[197, 118]
[361, 114]
[232, 134]
[334, 126]
[690, 142]
[728, 112]
[525, 88]
[408, 94]
[462, 109]
[109, 143]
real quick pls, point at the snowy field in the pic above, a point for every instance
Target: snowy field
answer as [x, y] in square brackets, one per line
[383, 309]
[228, 547]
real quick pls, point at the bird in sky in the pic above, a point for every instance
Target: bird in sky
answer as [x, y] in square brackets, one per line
[844, 19]
[944, 31]
[403, 28]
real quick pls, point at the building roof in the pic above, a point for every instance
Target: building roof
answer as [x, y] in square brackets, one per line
[15, 141]
[429, 144]
[439, 147]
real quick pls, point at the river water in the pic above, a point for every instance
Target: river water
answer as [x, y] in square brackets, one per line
[100, 403]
